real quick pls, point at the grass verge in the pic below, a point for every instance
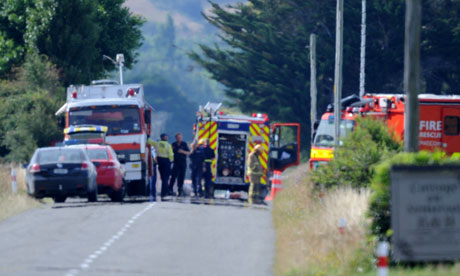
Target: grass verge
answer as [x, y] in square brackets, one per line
[10, 203]
[308, 238]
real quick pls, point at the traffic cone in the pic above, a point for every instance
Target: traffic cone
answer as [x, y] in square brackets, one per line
[277, 185]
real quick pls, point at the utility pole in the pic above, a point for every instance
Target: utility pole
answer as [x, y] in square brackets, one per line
[313, 88]
[362, 67]
[338, 71]
[412, 74]
[121, 62]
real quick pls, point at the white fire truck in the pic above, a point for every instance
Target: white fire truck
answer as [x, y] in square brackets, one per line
[232, 137]
[123, 110]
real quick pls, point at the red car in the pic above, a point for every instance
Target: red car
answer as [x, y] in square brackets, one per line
[110, 172]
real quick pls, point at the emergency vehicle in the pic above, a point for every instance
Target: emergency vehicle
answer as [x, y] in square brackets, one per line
[233, 137]
[85, 134]
[439, 125]
[123, 110]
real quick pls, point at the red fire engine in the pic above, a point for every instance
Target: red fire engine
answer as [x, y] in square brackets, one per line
[233, 137]
[126, 115]
[439, 122]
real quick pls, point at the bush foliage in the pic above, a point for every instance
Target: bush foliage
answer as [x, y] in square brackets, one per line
[27, 107]
[353, 163]
[379, 210]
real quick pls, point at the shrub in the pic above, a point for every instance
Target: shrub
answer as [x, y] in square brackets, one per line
[353, 163]
[27, 107]
[379, 210]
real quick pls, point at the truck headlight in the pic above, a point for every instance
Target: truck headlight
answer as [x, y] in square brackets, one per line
[135, 157]
[121, 156]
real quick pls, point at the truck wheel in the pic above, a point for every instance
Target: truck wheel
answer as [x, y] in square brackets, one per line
[59, 199]
[118, 196]
[130, 188]
[92, 195]
[147, 186]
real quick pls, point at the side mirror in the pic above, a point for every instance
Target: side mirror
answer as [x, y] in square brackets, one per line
[147, 116]
[316, 124]
[61, 122]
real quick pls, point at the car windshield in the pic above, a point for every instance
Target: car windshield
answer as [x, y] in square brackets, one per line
[98, 154]
[119, 119]
[325, 132]
[60, 155]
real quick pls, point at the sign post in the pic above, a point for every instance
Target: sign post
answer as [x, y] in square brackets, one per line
[14, 186]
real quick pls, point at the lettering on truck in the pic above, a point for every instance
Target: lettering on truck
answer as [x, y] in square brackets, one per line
[430, 133]
[430, 129]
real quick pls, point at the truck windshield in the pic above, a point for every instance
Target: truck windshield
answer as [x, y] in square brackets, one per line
[325, 133]
[119, 119]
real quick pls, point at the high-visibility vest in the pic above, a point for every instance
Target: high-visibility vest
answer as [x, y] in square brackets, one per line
[163, 148]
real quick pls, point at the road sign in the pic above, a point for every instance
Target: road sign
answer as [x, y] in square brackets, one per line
[425, 213]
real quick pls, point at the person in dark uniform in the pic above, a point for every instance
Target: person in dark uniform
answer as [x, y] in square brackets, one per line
[181, 151]
[153, 179]
[196, 165]
[164, 156]
[209, 156]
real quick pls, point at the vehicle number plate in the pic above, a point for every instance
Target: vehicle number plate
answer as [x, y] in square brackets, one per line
[60, 171]
[136, 165]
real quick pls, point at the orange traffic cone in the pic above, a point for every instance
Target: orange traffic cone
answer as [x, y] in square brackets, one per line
[277, 185]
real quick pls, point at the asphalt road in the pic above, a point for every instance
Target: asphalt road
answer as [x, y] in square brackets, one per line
[139, 238]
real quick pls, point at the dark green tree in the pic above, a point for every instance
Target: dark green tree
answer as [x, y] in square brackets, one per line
[265, 69]
[21, 22]
[82, 31]
[74, 34]
[263, 62]
[27, 106]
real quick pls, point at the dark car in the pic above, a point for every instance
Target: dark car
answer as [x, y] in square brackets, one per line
[110, 172]
[61, 172]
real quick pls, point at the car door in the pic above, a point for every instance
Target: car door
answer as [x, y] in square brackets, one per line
[451, 130]
[285, 146]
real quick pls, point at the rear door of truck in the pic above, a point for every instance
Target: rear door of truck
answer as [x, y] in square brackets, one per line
[451, 129]
[232, 144]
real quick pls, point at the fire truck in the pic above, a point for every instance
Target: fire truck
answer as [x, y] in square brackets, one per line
[126, 117]
[439, 124]
[233, 137]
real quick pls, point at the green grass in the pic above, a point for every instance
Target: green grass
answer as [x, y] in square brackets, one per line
[10, 203]
[308, 242]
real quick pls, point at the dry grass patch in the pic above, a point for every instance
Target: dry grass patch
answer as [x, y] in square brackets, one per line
[308, 238]
[10, 203]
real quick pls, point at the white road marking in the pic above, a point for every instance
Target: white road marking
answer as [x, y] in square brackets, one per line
[85, 265]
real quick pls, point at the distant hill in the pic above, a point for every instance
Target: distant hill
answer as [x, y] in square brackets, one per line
[186, 13]
[174, 85]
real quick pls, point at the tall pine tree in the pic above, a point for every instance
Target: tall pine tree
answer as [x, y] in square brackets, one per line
[263, 61]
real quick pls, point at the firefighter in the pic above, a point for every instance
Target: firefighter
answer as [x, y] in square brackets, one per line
[196, 165]
[255, 173]
[209, 156]
[165, 156]
[181, 151]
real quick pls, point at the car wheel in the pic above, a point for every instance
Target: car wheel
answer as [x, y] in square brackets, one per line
[118, 196]
[59, 199]
[92, 195]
